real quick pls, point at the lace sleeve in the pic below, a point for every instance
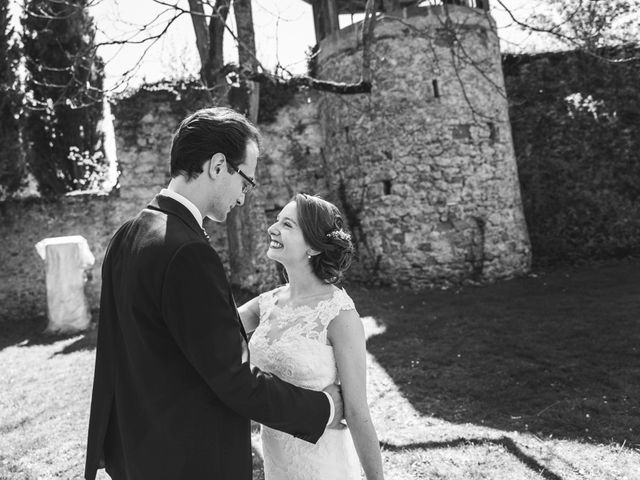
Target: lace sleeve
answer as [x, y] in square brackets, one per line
[341, 301]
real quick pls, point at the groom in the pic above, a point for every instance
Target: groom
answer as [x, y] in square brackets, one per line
[174, 390]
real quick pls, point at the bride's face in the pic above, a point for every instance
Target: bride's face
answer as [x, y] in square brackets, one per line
[287, 244]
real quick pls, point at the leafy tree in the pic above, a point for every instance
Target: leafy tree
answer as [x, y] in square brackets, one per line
[64, 95]
[586, 25]
[592, 24]
[12, 170]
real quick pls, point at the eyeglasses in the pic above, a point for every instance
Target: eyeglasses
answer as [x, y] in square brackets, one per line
[249, 184]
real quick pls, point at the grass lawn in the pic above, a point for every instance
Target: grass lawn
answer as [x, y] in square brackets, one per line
[533, 378]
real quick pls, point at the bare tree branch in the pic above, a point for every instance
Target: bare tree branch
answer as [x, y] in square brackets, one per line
[298, 81]
[143, 28]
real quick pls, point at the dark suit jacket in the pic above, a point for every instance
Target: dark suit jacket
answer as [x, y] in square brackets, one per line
[173, 390]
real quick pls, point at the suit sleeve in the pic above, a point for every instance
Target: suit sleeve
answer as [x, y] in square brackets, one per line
[197, 309]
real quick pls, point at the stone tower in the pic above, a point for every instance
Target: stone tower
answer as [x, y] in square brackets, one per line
[424, 166]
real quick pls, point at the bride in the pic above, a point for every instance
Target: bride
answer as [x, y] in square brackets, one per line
[308, 333]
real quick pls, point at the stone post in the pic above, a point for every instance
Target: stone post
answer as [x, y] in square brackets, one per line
[66, 259]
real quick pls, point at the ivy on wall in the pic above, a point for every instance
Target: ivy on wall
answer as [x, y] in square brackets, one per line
[182, 97]
[576, 131]
[273, 97]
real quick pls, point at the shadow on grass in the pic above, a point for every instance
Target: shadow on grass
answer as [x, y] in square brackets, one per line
[19, 331]
[556, 354]
[88, 341]
[504, 442]
[31, 331]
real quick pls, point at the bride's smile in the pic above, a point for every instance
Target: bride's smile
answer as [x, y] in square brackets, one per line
[286, 241]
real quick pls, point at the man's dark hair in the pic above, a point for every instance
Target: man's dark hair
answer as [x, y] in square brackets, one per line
[206, 132]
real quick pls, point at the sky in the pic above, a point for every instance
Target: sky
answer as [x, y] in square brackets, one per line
[284, 33]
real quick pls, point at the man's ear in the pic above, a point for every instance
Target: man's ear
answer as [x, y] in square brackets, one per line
[217, 163]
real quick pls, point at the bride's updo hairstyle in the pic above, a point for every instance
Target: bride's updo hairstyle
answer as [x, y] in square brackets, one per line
[323, 229]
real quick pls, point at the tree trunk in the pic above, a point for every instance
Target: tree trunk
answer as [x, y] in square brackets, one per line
[212, 73]
[201, 30]
[248, 98]
[246, 227]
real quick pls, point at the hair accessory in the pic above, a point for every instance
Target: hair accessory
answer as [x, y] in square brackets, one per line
[339, 235]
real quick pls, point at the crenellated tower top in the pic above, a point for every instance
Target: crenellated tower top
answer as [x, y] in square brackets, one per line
[326, 12]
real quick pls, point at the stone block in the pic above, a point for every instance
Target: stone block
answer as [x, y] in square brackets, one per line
[66, 260]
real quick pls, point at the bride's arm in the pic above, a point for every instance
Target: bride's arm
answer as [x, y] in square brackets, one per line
[250, 315]
[346, 334]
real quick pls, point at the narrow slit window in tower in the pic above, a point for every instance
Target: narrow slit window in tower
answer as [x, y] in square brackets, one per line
[493, 133]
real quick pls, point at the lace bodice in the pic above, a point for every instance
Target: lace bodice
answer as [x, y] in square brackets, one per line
[291, 342]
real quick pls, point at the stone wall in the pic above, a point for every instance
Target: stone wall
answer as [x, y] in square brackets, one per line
[293, 155]
[144, 125]
[576, 124]
[424, 165]
[25, 223]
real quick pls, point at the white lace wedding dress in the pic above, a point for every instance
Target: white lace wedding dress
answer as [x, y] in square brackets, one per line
[291, 342]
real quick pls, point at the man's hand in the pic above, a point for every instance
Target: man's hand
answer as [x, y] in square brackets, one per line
[336, 396]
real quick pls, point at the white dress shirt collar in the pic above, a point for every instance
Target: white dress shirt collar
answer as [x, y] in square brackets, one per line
[184, 201]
